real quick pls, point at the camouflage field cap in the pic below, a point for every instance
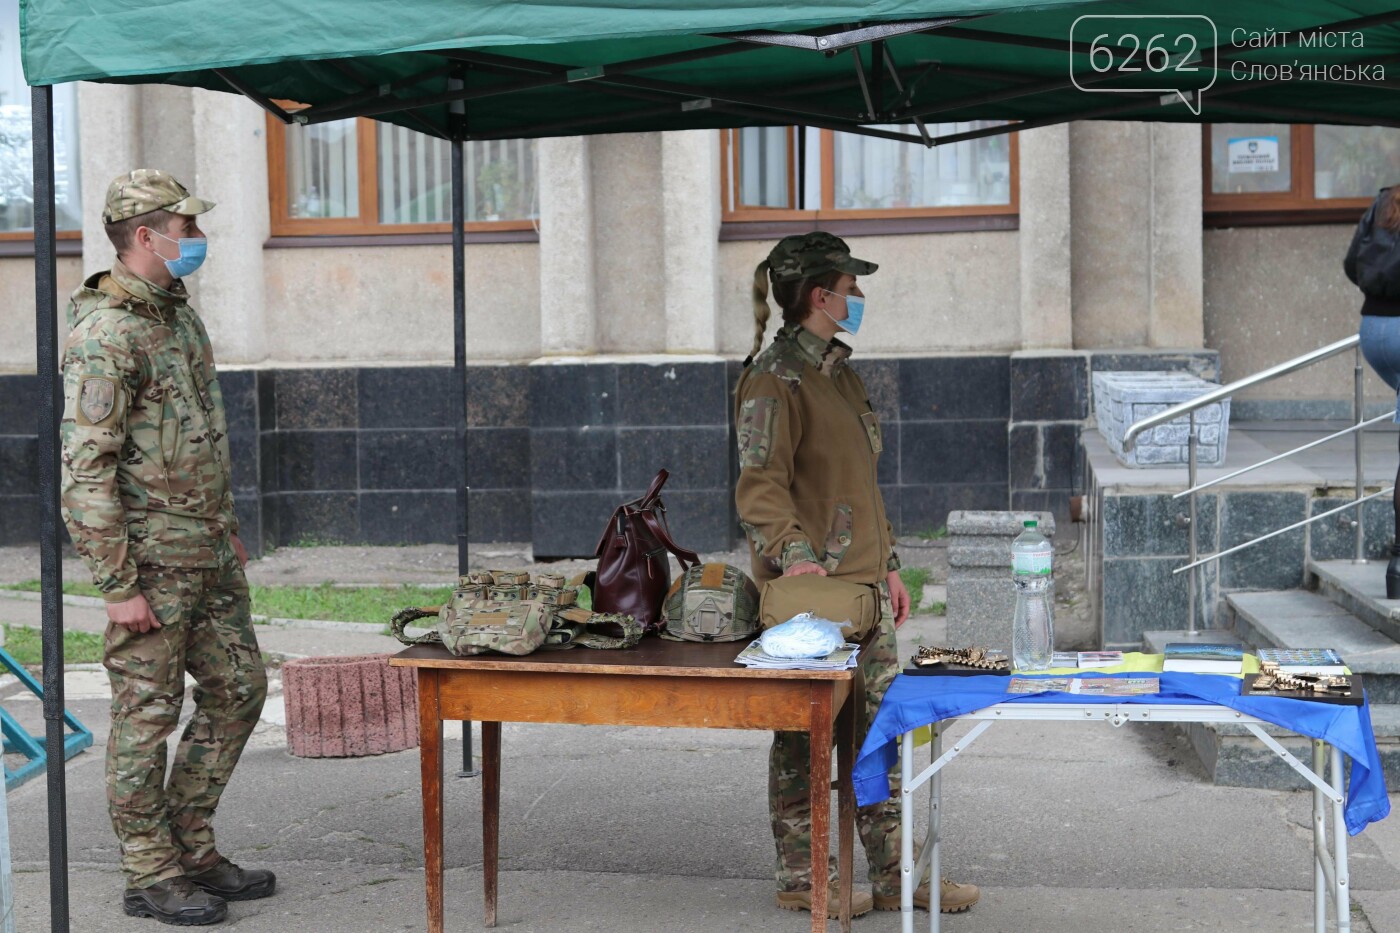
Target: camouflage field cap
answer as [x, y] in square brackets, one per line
[148, 189]
[807, 254]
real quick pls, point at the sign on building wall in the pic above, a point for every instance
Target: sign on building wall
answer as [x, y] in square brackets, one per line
[1253, 154]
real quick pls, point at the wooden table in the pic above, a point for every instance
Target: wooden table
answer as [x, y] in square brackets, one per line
[657, 683]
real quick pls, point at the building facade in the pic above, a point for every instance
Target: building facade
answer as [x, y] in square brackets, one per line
[609, 309]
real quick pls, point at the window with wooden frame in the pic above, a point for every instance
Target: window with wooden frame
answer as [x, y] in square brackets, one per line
[799, 175]
[1276, 173]
[16, 149]
[361, 177]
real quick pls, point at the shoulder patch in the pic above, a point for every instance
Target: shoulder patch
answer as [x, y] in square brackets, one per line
[97, 399]
[757, 419]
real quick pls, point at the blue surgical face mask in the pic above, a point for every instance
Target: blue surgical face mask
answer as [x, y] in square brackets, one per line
[855, 310]
[192, 252]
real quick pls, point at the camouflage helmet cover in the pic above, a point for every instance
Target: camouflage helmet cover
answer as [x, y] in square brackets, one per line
[711, 602]
[146, 189]
[807, 254]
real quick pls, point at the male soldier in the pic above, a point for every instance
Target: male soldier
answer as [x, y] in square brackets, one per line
[147, 500]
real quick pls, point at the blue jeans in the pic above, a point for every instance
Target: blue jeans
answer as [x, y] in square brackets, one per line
[1380, 344]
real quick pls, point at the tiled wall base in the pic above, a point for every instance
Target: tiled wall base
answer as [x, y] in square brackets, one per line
[368, 455]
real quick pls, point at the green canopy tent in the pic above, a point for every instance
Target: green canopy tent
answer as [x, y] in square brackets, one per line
[486, 69]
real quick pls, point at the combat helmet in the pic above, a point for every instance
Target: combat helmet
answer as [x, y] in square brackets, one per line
[711, 602]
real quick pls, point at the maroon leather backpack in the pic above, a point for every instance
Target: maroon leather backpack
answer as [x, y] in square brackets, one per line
[633, 572]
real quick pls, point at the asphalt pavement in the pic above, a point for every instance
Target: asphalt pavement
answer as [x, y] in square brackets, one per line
[1067, 827]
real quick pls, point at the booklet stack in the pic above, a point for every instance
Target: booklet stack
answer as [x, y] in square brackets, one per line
[1199, 658]
[841, 659]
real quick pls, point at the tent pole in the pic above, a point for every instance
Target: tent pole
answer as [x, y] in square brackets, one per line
[50, 523]
[457, 124]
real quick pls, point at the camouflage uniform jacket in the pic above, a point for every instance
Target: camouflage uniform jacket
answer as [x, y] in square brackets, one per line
[145, 442]
[809, 447]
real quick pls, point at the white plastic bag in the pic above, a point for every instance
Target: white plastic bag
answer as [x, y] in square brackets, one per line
[802, 636]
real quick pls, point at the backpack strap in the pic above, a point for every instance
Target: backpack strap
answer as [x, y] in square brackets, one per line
[412, 614]
[662, 532]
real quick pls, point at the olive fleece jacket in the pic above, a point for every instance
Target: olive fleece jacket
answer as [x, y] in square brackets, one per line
[809, 445]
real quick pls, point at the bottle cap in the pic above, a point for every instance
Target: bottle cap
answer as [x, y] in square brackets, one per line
[1030, 523]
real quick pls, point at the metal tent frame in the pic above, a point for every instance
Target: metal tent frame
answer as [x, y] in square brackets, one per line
[888, 92]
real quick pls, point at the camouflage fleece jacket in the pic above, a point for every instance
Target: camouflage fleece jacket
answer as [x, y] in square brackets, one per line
[145, 443]
[809, 446]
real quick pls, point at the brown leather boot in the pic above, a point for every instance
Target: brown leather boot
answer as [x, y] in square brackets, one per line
[802, 900]
[954, 898]
[232, 883]
[175, 901]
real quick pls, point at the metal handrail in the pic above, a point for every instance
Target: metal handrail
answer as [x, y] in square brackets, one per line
[1361, 426]
[1188, 410]
[1274, 534]
[1225, 391]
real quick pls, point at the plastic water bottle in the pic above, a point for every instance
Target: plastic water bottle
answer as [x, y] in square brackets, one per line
[1032, 630]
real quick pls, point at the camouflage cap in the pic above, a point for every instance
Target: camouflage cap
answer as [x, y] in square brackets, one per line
[145, 190]
[807, 254]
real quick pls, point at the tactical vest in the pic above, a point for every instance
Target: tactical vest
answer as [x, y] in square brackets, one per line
[503, 611]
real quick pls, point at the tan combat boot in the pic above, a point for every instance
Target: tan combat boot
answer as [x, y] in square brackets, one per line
[954, 898]
[861, 902]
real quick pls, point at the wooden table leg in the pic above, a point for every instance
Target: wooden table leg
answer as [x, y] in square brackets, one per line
[846, 806]
[819, 784]
[490, 812]
[430, 755]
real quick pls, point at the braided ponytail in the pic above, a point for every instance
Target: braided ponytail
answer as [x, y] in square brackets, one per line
[761, 310]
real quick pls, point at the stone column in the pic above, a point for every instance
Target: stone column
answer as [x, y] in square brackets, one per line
[1137, 274]
[1046, 320]
[230, 168]
[568, 296]
[691, 204]
[109, 143]
[1110, 181]
[1176, 316]
[168, 137]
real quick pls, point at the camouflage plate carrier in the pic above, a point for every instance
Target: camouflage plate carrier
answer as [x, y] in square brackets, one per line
[502, 611]
[711, 602]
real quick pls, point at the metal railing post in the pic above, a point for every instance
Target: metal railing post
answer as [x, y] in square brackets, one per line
[1191, 522]
[1358, 406]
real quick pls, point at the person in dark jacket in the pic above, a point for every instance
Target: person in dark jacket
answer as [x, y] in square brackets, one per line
[1373, 263]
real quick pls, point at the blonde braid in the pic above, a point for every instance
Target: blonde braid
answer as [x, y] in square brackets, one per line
[761, 310]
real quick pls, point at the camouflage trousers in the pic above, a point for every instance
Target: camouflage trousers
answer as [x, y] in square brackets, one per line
[790, 786]
[206, 629]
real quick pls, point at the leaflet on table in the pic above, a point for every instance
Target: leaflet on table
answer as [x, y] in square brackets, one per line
[1087, 686]
[1304, 660]
[1086, 659]
[841, 659]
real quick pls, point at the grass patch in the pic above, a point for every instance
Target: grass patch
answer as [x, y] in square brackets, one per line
[937, 534]
[25, 645]
[70, 587]
[934, 609]
[914, 579]
[369, 604]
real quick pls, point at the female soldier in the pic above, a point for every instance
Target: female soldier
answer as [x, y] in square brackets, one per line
[807, 497]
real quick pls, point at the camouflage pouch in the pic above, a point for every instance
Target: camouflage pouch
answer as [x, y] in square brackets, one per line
[711, 602]
[503, 612]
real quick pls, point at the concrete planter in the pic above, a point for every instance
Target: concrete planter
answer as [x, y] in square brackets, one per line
[349, 707]
[1121, 399]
